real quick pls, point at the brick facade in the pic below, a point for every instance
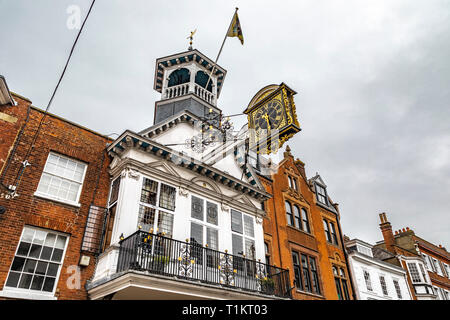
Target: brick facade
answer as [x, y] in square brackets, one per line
[282, 238]
[65, 138]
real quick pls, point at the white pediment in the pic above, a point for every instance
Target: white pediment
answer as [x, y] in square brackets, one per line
[207, 184]
[163, 166]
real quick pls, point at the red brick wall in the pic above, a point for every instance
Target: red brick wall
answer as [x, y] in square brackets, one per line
[283, 239]
[65, 138]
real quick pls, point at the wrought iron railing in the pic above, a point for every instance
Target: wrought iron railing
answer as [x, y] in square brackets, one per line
[157, 254]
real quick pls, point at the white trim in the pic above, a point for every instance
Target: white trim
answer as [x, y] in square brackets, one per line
[81, 182]
[59, 200]
[25, 294]
[30, 292]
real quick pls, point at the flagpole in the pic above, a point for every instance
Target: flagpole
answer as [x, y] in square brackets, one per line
[220, 51]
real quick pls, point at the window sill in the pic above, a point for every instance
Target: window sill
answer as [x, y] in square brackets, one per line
[309, 293]
[26, 294]
[300, 230]
[47, 197]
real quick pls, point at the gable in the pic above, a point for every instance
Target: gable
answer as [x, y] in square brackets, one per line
[163, 166]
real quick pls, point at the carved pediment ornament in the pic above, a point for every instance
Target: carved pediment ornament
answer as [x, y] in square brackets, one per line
[130, 173]
[183, 192]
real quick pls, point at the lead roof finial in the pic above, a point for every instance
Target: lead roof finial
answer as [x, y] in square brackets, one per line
[191, 37]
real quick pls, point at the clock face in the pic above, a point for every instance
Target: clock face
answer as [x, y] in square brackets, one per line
[269, 116]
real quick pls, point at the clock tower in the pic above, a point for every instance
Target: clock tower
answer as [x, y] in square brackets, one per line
[184, 84]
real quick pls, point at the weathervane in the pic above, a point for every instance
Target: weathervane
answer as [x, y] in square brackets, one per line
[191, 37]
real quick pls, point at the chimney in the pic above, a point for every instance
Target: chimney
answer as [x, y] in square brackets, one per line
[386, 230]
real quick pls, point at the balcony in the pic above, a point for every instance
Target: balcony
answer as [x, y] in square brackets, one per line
[185, 88]
[158, 260]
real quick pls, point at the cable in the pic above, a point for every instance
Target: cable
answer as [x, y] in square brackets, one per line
[25, 163]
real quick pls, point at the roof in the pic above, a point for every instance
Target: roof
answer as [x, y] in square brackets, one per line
[130, 139]
[184, 58]
[5, 94]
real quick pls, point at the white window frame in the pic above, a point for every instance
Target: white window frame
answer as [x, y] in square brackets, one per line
[399, 291]
[368, 280]
[383, 277]
[204, 223]
[156, 206]
[437, 266]
[243, 235]
[21, 293]
[57, 199]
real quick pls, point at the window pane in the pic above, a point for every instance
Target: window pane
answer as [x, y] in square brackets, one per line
[289, 217]
[13, 279]
[167, 197]
[23, 249]
[149, 191]
[46, 253]
[146, 218]
[37, 282]
[197, 208]
[165, 223]
[248, 226]
[236, 221]
[25, 281]
[305, 221]
[30, 265]
[211, 213]
[18, 264]
[212, 238]
[238, 247]
[297, 218]
[52, 269]
[196, 233]
[306, 276]
[35, 251]
[41, 267]
[48, 284]
[114, 190]
[57, 255]
[250, 249]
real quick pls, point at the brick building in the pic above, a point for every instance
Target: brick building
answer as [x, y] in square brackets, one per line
[51, 207]
[302, 233]
[427, 264]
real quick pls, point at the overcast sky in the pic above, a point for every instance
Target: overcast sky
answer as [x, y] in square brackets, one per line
[373, 83]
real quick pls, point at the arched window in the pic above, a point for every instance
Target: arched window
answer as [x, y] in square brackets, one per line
[289, 217]
[201, 79]
[179, 76]
[297, 218]
[305, 221]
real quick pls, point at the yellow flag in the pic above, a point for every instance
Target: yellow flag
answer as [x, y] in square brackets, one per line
[235, 28]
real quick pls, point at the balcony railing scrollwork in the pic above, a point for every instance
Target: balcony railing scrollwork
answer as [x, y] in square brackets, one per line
[158, 254]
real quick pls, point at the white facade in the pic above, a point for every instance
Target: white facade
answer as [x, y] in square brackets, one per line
[169, 190]
[375, 279]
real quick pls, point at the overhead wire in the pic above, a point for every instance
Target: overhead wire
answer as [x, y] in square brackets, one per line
[25, 163]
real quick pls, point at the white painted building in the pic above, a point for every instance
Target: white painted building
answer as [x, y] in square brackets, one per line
[373, 278]
[184, 223]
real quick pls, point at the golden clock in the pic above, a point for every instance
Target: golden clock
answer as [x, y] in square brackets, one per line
[272, 118]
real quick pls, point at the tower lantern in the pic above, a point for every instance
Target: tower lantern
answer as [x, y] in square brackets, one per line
[182, 79]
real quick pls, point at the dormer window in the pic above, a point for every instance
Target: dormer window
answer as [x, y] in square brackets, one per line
[364, 250]
[321, 194]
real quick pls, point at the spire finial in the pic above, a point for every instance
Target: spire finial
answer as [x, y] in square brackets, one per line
[191, 37]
